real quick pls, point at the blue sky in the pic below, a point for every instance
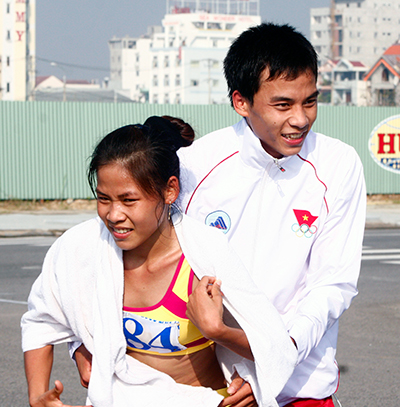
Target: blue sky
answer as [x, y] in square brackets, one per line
[74, 33]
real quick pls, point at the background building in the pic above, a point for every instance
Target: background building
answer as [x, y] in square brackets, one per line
[350, 37]
[384, 77]
[17, 49]
[181, 61]
[357, 30]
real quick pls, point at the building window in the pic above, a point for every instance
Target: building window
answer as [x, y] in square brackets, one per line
[155, 80]
[385, 75]
[166, 61]
[178, 99]
[8, 8]
[194, 82]
[166, 98]
[198, 24]
[317, 19]
[8, 35]
[8, 87]
[178, 80]
[166, 80]
[8, 61]
[194, 64]
[155, 98]
[178, 60]
[155, 62]
[214, 26]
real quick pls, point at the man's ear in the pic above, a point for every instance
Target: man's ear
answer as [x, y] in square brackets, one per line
[240, 104]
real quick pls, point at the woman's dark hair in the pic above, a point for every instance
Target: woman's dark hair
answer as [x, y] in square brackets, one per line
[280, 48]
[147, 151]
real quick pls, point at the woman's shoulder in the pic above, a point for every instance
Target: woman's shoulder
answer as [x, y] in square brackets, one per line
[81, 236]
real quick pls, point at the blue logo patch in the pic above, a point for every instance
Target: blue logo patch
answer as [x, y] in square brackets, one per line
[219, 220]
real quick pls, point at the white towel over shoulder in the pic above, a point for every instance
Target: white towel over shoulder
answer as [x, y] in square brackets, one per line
[78, 297]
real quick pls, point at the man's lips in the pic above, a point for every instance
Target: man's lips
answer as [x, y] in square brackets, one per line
[295, 136]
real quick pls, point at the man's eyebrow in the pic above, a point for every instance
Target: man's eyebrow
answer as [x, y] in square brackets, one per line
[281, 99]
[287, 99]
[314, 95]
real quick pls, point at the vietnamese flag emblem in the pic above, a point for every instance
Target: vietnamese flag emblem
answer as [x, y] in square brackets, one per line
[304, 217]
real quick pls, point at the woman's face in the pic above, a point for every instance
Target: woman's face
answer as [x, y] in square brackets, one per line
[134, 218]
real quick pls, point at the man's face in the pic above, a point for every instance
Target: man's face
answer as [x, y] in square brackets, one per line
[282, 113]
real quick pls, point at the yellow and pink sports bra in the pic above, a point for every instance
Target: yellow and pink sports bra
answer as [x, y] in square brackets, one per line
[164, 329]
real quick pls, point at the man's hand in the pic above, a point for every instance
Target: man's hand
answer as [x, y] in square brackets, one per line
[241, 394]
[83, 359]
[51, 398]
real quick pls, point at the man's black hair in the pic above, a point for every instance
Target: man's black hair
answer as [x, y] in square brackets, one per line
[280, 48]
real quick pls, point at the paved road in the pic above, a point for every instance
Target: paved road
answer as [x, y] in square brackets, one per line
[20, 263]
[369, 333]
[368, 354]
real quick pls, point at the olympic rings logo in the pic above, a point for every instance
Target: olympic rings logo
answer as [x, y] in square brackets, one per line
[304, 230]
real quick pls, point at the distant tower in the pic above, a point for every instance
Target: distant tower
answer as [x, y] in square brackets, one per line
[17, 49]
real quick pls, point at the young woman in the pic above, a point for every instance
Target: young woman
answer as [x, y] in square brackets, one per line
[121, 283]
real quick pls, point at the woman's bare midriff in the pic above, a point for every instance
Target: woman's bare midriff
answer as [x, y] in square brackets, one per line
[196, 369]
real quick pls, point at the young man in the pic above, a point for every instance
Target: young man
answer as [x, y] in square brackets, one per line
[291, 202]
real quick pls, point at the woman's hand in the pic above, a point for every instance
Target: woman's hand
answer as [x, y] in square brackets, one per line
[51, 398]
[205, 309]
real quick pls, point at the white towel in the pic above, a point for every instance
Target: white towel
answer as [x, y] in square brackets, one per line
[78, 296]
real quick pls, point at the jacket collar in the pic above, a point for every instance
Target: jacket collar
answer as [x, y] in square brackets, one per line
[251, 151]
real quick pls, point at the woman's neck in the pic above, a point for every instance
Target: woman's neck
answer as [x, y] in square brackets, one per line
[163, 245]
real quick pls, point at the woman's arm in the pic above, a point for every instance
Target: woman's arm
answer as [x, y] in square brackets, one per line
[38, 364]
[205, 310]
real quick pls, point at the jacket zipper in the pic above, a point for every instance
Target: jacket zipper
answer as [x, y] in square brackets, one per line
[281, 169]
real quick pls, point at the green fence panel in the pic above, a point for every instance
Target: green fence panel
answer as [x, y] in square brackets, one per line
[354, 126]
[45, 146]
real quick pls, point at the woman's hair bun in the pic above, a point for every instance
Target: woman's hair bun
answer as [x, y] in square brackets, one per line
[172, 130]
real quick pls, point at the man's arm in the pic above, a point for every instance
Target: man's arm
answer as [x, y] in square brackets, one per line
[83, 359]
[334, 263]
[205, 310]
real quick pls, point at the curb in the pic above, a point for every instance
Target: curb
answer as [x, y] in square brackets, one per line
[59, 232]
[30, 233]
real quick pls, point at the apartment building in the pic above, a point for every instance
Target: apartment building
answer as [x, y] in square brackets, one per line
[17, 49]
[181, 62]
[357, 30]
